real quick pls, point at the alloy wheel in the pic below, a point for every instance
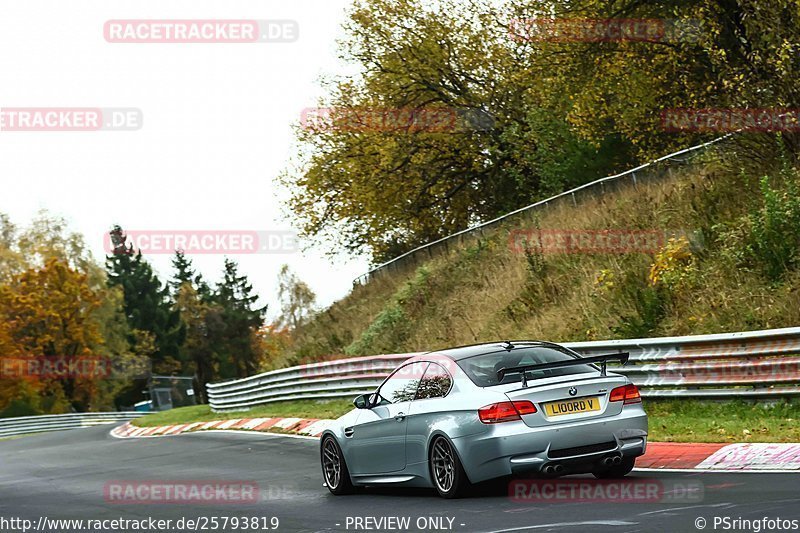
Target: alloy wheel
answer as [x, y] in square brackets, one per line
[444, 465]
[332, 464]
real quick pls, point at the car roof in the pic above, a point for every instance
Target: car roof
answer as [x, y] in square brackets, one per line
[462, 352]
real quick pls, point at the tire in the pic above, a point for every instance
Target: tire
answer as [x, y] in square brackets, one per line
[617, 471]
[334, 468]
[447, 475]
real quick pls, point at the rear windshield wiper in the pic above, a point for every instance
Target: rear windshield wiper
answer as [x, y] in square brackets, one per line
[602, 359]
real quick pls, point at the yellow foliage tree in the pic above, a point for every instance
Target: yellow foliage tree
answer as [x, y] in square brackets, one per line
[49, 312]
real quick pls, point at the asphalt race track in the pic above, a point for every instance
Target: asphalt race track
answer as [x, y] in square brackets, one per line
[63, 475]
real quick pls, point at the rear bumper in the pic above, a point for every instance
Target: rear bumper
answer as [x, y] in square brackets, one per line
[513, 448]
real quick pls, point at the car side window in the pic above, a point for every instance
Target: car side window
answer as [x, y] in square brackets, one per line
[402, 385]
[436, 383]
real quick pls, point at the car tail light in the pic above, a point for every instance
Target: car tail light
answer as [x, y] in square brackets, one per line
[505, 411]
[626, 394]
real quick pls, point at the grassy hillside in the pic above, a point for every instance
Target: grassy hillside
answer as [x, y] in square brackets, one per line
[732, 266]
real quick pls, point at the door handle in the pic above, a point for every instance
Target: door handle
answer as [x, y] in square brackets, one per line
[400, 417]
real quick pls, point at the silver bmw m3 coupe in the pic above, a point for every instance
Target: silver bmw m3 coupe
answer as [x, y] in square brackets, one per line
[452, 418]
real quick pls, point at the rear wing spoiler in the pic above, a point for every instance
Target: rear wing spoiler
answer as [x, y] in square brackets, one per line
[602, 359]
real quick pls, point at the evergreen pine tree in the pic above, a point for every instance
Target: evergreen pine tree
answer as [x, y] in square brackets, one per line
[185, 273]
[146, 302]
[238, 350]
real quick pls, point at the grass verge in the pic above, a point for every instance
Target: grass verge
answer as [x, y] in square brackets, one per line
[670, 420]
[736, 421]
[203, 413]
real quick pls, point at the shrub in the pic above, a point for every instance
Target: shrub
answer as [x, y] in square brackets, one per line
[651, 308]
[773, 236]
[674, 264]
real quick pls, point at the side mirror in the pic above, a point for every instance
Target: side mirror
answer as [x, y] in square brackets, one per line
[362, 402]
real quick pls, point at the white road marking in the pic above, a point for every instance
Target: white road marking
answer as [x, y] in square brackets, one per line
[688, 507]
[568, 524]
[715, 471]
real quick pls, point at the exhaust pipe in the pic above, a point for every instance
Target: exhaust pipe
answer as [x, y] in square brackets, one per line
[553, 469]
[611, 461]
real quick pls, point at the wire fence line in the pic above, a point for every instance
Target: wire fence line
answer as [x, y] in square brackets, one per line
[646, 172]
[752, 364]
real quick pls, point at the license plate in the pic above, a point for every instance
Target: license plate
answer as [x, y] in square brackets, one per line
[570, 407]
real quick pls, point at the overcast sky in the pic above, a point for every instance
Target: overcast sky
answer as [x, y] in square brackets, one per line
[216, 132]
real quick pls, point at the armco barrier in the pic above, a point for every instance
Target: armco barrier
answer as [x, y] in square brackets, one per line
[11, 427]
[754, 364]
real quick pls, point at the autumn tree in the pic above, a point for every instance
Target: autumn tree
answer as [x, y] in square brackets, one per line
[388, 189]
[16, 395]
[713, 54]
[275, 343]
[561, 111]
[296, 297]
[51, 312]
[46, 249]
[11, 260]
[46, 237]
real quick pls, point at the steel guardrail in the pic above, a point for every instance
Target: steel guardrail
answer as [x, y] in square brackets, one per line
[752, 364]
[12, 427]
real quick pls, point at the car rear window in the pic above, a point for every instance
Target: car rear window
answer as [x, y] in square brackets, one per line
[482, 369]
